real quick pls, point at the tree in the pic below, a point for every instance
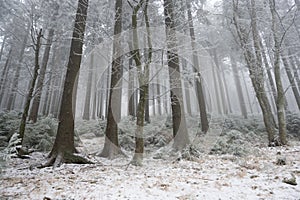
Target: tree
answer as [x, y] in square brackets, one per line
[37, 45]
[15, 83]
[40, 83]
[180, 132]
[254, 64]
[199, 87]
[63, 149]
[280, 101]
[238, 85]
[111, 146]
[143, 79]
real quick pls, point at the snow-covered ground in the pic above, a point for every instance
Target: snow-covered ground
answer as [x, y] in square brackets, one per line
[207, 177]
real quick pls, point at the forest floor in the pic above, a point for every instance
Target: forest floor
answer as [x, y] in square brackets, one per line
[256, 176]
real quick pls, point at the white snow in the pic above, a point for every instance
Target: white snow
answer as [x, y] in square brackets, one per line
[208, 177]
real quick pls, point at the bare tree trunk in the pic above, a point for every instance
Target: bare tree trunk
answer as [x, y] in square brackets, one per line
[39, 87]
[217, 94]
[95, 107]
[37, 45]
[199, 86]
[294, 68]
[131, 108]
[291, 79]
[238, 86]
[63, 148]
[280, 92]
[2, 47]
[87, 102]
[180, 132]
[268, 69]
[148, 61]
[158, 90]
[111, 145]
[247, 92]
[220, 80]
[50, 85]
[256, 74]
[186, 90]
[3, 79]
[226, 92]
[12, 96]
[143, 78]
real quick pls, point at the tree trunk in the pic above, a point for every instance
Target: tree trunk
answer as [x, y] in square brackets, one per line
[50, 85]
[291, 78]
[180, 132]
[37, 46]
[64, 147]
[87, 103]
[199, 87]
[186, 90]
[217, 94]
[158, 96]
[220, 80]
[268, 69]
[238, 86]
[280, 92]
[2, 47]
[256, 74]
[39, 87]
[3, 79]
[95, 98]
[148, 61]
[111, 146]
[131, 104]
[12, 96]
[294, 68]
[143, 78]
[247, 92]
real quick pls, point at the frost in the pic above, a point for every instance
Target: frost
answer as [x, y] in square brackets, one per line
[240, 165]
[233, 142]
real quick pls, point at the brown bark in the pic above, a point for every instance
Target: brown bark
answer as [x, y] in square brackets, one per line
[199, 86]
[40, 83]
[64, 146]
[111, 146]
[256, 72]
[131, 104]
[50, 85]
[180, 132]
[37, 46]
[143, 78]
[87, 102]
[280, 101]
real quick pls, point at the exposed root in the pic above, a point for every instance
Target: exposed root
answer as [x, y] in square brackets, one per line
[112, 153]
[60, 158]
[49, 163]
[137, 160]
[276, 143]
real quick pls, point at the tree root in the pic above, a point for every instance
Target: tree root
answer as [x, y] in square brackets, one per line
[137, 160]
[112, 153]
[68, 158]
